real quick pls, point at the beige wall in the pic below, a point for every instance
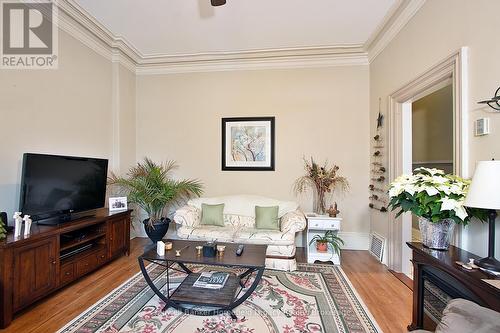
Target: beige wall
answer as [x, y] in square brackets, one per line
[126, 122]
[320, 112]
[65, 111]
[432, 127]
[435, 32]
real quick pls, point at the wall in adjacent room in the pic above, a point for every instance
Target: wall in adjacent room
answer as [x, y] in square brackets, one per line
[439, 29]
[320, 112]
[432, 126]
[66, 111]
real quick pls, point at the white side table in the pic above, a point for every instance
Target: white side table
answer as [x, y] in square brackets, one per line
[319, 225]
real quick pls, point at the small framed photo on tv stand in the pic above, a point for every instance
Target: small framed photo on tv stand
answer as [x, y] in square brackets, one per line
[117, 204]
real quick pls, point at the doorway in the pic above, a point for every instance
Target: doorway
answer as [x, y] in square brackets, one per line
[451, 73]
[432, 136]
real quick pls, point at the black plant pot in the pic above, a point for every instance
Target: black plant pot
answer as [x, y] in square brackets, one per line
[158, 230]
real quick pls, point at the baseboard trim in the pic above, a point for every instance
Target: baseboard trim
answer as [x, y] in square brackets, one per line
[355, 240]
[403, 278]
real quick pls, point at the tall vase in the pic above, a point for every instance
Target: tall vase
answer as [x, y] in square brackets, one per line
[319, 202]
[436, 235]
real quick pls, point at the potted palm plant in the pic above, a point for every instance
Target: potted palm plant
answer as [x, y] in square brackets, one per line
[437, 199]
[150, 186]
[329, 239]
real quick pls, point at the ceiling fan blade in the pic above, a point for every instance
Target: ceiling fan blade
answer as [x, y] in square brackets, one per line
[218, 2]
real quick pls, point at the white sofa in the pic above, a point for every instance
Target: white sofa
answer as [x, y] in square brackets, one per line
[239, 226]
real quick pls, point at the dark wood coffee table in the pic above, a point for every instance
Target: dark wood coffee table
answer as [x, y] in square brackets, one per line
[200, 301]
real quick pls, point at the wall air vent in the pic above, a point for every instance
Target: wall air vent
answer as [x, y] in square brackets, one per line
[377, 244]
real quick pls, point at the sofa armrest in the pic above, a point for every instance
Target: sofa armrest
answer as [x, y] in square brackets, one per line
[293, 222]
[461, 316]
[187, 216]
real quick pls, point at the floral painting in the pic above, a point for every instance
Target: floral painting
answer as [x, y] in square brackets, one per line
[248, 143]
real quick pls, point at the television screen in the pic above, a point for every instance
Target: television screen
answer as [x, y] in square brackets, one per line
[53, 185]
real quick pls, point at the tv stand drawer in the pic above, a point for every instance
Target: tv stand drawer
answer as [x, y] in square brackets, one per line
[67, 273]
[86, 264]
[101, 257]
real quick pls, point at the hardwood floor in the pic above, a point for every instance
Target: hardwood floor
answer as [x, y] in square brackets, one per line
[387, 298]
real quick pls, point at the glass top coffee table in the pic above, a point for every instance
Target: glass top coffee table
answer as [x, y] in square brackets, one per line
[202, 301]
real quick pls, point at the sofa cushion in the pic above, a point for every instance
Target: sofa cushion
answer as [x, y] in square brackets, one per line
[245, 235]
[267, 218]
[212, 215]
[462, 316]
[245, 204]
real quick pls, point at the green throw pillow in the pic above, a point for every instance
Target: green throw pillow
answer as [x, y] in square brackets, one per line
[212, 214]
[267, 218]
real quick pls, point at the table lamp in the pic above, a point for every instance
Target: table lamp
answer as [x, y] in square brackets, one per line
[484, 192]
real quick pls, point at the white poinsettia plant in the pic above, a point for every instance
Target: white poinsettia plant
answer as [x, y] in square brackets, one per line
[434, 195]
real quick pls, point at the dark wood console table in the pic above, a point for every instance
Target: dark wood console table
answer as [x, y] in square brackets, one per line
[439, 268]
[53, 256]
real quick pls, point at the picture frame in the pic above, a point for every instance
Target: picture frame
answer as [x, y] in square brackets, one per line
[248, 144]
[117, 204]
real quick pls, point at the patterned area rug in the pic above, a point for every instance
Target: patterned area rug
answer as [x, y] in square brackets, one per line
[316, 298]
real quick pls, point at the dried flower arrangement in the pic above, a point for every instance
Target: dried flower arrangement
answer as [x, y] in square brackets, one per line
[324, 179]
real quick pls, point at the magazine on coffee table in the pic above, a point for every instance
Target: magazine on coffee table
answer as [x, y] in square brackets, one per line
[211, 280]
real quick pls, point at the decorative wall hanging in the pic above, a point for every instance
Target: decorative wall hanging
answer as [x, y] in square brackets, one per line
[382, 209]
[248, 144]
[493, 102]
[378, 201]
[372, 188]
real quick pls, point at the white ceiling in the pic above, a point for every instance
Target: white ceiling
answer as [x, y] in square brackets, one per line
[181, 27]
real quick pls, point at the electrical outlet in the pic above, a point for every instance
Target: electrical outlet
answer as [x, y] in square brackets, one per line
[482, 126]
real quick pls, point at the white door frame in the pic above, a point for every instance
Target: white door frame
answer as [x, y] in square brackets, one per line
[453, 68]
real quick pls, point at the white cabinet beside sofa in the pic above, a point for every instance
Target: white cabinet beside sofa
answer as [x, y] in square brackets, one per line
[320, 224]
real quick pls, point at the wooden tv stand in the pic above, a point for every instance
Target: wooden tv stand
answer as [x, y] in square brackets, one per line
[54, 256]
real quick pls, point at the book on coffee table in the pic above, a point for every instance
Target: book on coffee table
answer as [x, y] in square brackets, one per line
[211, 280]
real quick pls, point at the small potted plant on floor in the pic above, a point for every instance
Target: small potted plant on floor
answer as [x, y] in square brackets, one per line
[437, 199]
[329, 239]
[150, 186]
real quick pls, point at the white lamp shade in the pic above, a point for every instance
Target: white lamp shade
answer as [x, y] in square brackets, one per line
[484, 191]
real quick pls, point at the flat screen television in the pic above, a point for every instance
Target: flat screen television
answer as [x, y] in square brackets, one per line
[53, 187]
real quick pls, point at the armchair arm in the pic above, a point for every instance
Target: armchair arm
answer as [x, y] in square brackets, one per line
[293, 222]
[187, 216]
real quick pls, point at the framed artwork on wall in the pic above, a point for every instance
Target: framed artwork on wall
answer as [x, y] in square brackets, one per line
[248, 144]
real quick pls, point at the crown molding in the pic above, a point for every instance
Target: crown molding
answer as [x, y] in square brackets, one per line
[80, 24]
[255, 63]
[77, 22]
[399, 15]
[337, 50]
